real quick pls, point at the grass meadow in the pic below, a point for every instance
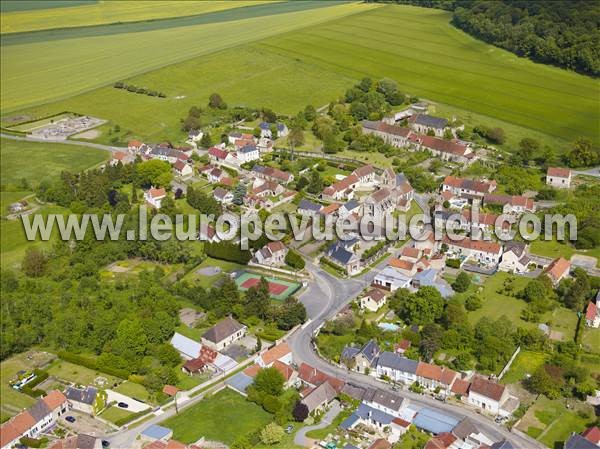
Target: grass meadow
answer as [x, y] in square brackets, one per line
[34, 161]
[426, 56]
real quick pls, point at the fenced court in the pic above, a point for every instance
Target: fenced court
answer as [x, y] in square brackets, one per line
[279, 289]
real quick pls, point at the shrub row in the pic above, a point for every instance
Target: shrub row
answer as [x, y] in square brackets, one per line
[329, 263]
[453, 263]
[30, 389]
[138, 90]
[91, 364]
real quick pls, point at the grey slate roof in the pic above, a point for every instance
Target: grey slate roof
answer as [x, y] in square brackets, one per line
[240, 382]
[39, 410]
[340, 255]
[384, 398]
[156, 432]
[85, 396]
[505, 444]
[400, 178]
[323, 394]
[370, 351]
[465, 428]
[248, 148]
[395, 361]
[349, 352]
[309, 205]
[365, 412]
[575, 441]
[430, 121]
[354, 391]
[435, 422]
[351, 205]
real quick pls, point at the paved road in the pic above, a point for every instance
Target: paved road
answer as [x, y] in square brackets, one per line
[594, 171]
[97, 146]
[301, 439]
[334, 294]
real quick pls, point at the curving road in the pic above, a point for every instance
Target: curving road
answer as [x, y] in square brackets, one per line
[302, 440]
[334, 294]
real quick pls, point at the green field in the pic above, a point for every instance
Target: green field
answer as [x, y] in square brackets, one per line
[49, 65]
[12, 401]
[222, 417]
[525, 363]
[114, 414]
[425, 55]
[75, 13]
[553, 248]
[78, 374]
[34, 161]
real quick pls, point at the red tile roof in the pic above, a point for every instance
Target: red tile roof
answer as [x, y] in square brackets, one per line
[460, 387]
[380, 443]
[558, 268]
[592, 434]
[315, 377]
[170, 390]
[429, 371]
[591, 312]
[217, 153]
[376, 294]
[54, 399]
[413, 253]
[559, 172]
[478, 186]
[401, 422]
[477, 245]
[445, 146]
[402, 264]
[448, 376]
[157, 193]
[403, 344]
[252, 370]
[286, 370]
[194, 365]
[276, 352]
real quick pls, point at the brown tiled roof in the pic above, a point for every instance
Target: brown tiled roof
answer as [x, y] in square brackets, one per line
[380, 443]
[448, 376]
[170, 390]
[217, 152]
[252, 370]
[478, 245]
[445, 146]
[460, 387]
[365, 170]
[275, 246]
[341, 185]
[157, 193]
[376, 294]
[286, 370]
[557, 268]
[194, 365]
[223, 329]
[478, 186]
[315, 377]
[411, 252]
[487, 388]
[400, 263]
[329, 209]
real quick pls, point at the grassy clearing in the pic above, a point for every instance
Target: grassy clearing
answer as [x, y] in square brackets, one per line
[496, 304]
[591, 340]
[208, 281]
[34, 161]
[102, 13]
[13, 401]
[46, 66]
[224, 416]
[133, 390]
[553, 248]
[78, 374]
[7, 198]
[550, 422]
[525, 363]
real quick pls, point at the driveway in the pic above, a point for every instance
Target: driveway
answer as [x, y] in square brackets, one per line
[302, 440]
[134, 405]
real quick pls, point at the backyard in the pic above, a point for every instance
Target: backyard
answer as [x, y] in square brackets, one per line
[223, 416]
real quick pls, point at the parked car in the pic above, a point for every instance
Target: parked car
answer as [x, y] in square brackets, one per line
[70, 419]
[123, 404]
[289, 429]
[105, 443]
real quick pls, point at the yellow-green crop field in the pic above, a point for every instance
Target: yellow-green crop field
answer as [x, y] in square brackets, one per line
[108, 12]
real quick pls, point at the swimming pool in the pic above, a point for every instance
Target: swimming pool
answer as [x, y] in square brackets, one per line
[388, 327]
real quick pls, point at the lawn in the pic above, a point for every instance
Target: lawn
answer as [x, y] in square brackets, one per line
[208, 281]
[114, 413]
[77, 374]
[13, 401]
[50, 65]
[7, 198]
[553, 248]
[525, 363]
[551, 423]
[100, 13]
[133, 390]
[35, 161]
[591, 339]
[224, 417]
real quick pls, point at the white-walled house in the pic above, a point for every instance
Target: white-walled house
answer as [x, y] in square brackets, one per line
[224, 333]
[558, 177]
[397, 368]
[487, 395]
[248, 153]
[372, 300]
[514, 258]
[155, 196]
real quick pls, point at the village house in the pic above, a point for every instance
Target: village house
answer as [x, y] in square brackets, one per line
[208, 233]
[79, 441]
[372, 300]
[272, 254]
[280, 352]
[432, 376]
[224, 333]
[194, 136]
[515, 258]
[423, 123]
[155, 196]
[183, 169]
[345, 259]
[341, 190]
[312, 377]
[404, 267]
[369, 417]
[262, 188]
[82, 399]
[234, 136]
[169, 155]
[467, 187]
[379, 202]
[385, 401]
[216, 175]
[429, 278]
[484, 252]
[248, 153]
[487, 395]
[391, 279]
[37, 419]
[367, 177]
[319, 397]
[350, 208]
[122, 157]
[394, 135]
[361, 360]
[309, 208]
[558, 269]
[447, 150]
[134, 145]
[217, 155]
[592, 313]
[397, 368]
[511, 204]
[558, 177]
[222, 196]
[265, 130]
[272, 174]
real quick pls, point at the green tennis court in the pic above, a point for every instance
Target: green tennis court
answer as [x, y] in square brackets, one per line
[279, 289]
